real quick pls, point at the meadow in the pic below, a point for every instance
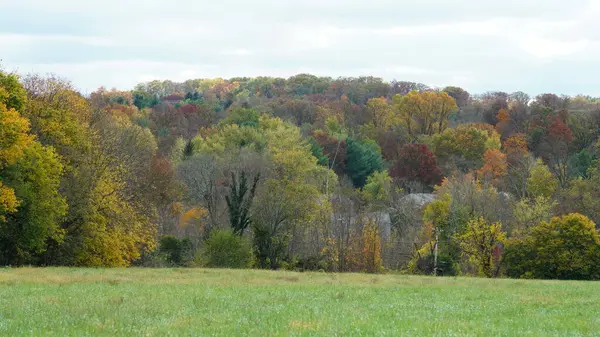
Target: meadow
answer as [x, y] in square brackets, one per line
[221, 302]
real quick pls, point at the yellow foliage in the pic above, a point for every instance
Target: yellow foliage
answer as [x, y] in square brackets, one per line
[478, 243]
[8, 201]
[13, 136]
[193, 214]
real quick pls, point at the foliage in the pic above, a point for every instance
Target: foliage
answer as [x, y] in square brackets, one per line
[178, 251]
[566, 247]
[422, 263]
[494, 167]
[425, 112]
[362, 159]
[238, 203]
[480, 243]
[530, 212]
[541, 182]
[371, 252]
[416, 163]
[35, 179]
[226, 249]
[378, 188]
[466, 145]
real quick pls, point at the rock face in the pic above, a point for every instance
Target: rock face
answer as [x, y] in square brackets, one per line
[418, 199]
[409, 203]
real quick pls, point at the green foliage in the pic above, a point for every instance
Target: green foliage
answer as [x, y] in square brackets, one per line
[529, 213]
[566, 247]
[178, 251]
[465, 144]
[242, 117]
[423, 262]
[143, 99]
[378, 188]
[12, 93]
[581, 162]
[238, 203]
[362, 160]
[541, 182]
[317, 151]
[225, 249]
[35, 179]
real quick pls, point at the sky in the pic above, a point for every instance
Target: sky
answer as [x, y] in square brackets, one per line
[535, 46]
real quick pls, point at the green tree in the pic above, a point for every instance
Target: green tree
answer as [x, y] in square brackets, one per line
[566, 247]
[226, 249]
[541, 182]
[239, 202]
[363, 158]
[35, 179]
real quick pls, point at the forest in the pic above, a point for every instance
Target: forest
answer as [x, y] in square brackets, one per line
[304, 173]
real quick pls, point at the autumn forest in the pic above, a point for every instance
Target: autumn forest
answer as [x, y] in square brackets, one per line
[304, 173]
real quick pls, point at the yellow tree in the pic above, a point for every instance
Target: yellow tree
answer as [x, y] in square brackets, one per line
[424, 112]
[479, 243]
[14, 139]
[381, 112]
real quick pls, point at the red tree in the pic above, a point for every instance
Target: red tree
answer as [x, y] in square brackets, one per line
[416, 163]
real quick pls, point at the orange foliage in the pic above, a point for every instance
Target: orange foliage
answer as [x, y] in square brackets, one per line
[516, 144]
[495, 166]
[192, 215]
[503, 115]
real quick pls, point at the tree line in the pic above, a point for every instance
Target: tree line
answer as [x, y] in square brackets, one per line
[303, 173]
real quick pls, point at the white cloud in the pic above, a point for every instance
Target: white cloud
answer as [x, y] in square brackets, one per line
[481, 45]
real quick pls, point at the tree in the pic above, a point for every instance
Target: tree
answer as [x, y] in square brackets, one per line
[515, 145]
[371, 252]
[238, 203]
[541, 182]
[378, 188]
[583, 196]
[31, 207]
[226, 249]
[464, 147]
[362, 159]
[35, 179]
[530, 212]
[566, 247]
[416, 163]
[12, 93]
[14, 137]
[460, 95]
[551, 140]
[479, 244]
[495, 167]
[381, 113]
[425, 112]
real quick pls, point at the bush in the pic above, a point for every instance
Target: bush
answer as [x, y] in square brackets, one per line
[567, 247]
[423, 262]
[224, 249]
[177, 252]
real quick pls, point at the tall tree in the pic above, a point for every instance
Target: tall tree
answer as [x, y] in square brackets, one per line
[238, 203]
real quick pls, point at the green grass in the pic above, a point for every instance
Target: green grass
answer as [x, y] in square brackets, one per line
[207, 302]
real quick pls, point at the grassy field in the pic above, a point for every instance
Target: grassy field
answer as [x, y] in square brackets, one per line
[207, 302]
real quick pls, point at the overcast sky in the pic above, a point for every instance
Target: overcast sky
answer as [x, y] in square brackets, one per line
[529, 45]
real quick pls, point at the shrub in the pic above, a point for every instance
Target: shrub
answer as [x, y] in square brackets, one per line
[567, 247]
[423, 262]
[177, 252]
[224, 249]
